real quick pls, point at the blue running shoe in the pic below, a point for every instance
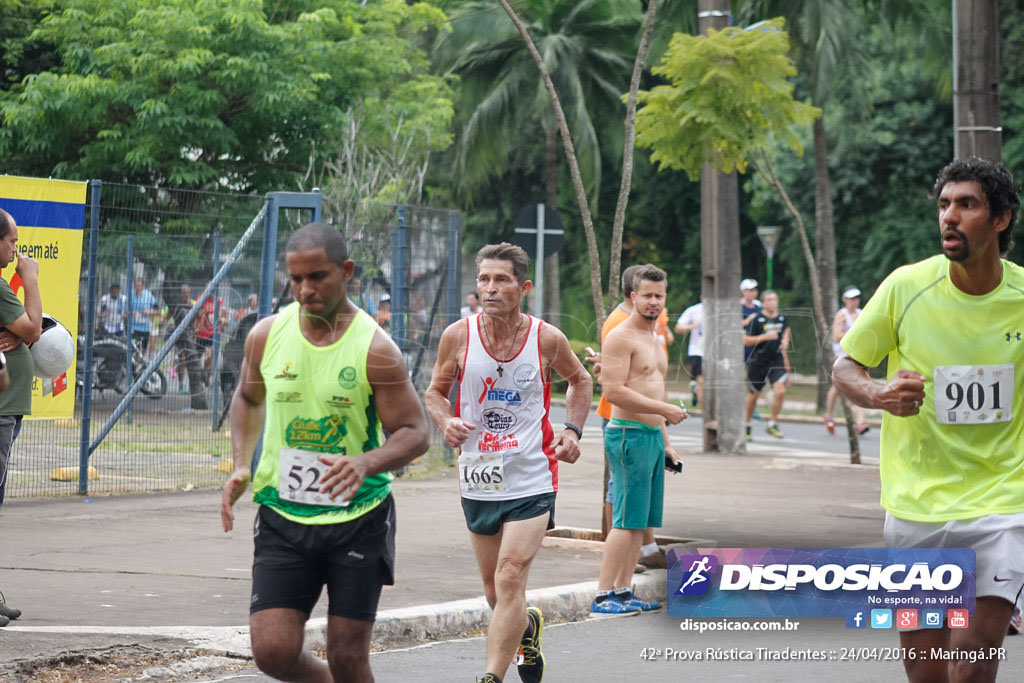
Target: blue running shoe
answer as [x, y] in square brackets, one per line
[612, 606]
[652, 606]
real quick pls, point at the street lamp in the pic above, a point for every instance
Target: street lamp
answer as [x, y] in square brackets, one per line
[769, 236]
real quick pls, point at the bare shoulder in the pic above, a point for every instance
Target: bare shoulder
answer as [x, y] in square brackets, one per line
[384, 362]
[453, 339]
[619, 337]
[256, 340]
[552, 340]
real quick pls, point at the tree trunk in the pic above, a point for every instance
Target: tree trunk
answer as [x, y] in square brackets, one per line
[552, 307]
[825, 249]
[724, 372]
[976, 80]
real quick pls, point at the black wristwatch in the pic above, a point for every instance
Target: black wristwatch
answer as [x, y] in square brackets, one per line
[579, 432]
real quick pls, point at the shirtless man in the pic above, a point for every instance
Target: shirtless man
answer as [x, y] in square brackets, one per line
[633, 372]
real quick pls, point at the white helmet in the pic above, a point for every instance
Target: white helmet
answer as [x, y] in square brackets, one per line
[54, 351]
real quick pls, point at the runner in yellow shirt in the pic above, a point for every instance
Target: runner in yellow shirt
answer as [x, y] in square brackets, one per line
[952, 464]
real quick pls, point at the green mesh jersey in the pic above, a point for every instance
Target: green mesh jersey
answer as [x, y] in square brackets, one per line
[318, 401]
[962, 456]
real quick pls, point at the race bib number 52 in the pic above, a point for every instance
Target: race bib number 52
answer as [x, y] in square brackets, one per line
[299, 479]
[973, 394]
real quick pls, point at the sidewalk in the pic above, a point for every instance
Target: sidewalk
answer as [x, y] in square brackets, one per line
[109, 575]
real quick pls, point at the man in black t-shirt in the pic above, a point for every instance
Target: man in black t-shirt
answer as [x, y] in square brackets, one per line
[767, 334]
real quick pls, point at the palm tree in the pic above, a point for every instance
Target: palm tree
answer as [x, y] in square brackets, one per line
[587, 47]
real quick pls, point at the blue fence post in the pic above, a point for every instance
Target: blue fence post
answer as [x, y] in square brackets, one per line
[454, 265]
[268, 257]
[215, 370]
[130, 327]
[95, 191]
[399, 279]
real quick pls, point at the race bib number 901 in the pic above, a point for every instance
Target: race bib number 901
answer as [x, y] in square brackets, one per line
[299, 479]
[480, 472]
[973, 394]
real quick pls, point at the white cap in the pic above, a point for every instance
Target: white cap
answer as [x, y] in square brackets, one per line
[851, 293]
[748, 283]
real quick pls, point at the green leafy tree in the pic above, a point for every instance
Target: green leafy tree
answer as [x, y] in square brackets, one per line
[203, 93]
[729, 99]
[586, 48]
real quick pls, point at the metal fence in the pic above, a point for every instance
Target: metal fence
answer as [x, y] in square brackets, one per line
[173, 435]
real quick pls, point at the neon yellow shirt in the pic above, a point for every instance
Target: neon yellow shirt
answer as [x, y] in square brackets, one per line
[319, 401]
[937, 465]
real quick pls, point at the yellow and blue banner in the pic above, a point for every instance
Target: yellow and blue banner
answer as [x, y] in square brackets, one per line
[51, 224]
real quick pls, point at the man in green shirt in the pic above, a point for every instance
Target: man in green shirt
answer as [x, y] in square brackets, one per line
[326, 379]
[21, 325]
[951, 462]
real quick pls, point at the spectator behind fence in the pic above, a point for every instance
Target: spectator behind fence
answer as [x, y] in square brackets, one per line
[144, 307]
[112, 311]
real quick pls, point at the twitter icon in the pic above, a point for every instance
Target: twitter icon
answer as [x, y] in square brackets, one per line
[881, 618]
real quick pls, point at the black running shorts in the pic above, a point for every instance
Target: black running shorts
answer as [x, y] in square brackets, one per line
[292, 562]
[486, 517]
[770, 370]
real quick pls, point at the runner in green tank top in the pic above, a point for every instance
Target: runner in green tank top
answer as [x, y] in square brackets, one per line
[321, 379]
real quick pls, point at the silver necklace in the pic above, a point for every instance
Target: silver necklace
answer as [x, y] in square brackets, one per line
[487, 338]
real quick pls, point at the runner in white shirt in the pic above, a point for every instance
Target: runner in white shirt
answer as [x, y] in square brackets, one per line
[501, 360]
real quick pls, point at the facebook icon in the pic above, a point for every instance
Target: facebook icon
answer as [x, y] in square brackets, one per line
[856, 619]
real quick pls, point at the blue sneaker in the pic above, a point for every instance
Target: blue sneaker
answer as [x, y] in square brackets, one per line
[612, 606]
[652, 606]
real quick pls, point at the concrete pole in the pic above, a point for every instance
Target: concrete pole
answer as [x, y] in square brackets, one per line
[724, 371]
[976, 116]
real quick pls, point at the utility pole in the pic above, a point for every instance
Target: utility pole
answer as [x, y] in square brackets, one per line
[724, 371]
[978, 130]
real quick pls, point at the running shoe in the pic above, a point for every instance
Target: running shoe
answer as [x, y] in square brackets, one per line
[652, 606]
[774, 431]
[863, 429]
[6, 611]
[1015, 623]
[750, 437]
[830, 424]
[4, 620]
[611, 606]
[529, 658]
[488, 678]
[757, 415]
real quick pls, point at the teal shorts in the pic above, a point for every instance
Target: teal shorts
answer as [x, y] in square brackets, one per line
[486, 517]
[636, 458]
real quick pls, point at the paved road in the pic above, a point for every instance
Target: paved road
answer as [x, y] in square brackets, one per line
[652, 647]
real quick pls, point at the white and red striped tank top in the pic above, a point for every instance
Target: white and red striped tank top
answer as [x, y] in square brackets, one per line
[508, 401]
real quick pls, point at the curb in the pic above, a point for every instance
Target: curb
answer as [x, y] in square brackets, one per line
[408, 625]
